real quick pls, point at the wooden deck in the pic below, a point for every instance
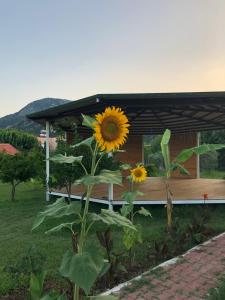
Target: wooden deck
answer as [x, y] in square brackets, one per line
[154, 190]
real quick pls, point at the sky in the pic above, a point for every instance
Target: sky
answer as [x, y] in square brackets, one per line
[75, 48]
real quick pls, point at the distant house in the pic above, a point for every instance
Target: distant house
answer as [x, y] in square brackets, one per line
[52, 142]
[8, 149]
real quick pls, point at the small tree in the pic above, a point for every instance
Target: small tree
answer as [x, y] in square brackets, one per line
[64, 174]
[17, 169]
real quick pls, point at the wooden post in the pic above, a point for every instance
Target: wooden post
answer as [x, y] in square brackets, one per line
[47, 160]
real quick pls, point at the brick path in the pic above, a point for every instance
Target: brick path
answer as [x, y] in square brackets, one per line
[189, 278]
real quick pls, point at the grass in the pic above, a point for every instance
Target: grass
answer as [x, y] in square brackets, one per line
[16, 238]
[213, 174]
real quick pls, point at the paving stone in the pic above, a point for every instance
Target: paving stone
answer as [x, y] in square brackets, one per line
[189, 279]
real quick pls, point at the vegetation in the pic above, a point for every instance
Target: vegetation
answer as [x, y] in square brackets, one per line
[212, 164]
[217, 293]
[89, 264]
[19, 139]
[18, 168]
[17, 218]
[64, 174]
[177, 164]
[216, 137]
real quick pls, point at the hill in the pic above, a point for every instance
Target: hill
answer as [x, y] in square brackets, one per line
[20, 121]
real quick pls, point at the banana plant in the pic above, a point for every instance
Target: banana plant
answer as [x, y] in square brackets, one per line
[177, 164]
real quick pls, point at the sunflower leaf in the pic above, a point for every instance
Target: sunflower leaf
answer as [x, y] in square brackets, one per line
[109, 217]
[87, 142]
[88, 121]
[63, 159]
[105, 176]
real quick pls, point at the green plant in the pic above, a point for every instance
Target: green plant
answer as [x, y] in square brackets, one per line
[32, 261]
[19, 139]
[132, 237]
[37, 285]
[217, 293]
[182, 237]
[64, 173]
[114, 257]
[84, 265]
[18, 168]
[177, 164]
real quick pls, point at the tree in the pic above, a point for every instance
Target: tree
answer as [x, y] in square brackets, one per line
[17, 169]
[63, 174]
[19, 139]
[215, 137]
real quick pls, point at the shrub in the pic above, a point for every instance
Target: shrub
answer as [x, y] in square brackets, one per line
[19, 139]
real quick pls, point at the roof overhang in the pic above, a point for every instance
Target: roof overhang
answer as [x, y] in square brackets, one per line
[149, 113]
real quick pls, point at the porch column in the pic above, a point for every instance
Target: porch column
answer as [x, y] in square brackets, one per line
[110, 190]
[198, 159]
[47, 160]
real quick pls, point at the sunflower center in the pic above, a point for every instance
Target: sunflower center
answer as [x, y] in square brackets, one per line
[110, 129]
[138, 173]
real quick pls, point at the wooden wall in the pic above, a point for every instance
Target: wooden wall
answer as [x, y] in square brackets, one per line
[134, 150]
[179, 142]
[69, 137]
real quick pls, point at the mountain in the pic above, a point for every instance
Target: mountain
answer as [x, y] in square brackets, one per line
[20, 121]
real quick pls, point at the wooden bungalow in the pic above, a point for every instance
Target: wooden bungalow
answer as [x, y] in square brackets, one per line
[185, 114]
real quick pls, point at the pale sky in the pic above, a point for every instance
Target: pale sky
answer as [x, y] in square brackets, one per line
[76, 48]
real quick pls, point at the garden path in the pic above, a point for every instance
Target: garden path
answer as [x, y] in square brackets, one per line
[188, 277]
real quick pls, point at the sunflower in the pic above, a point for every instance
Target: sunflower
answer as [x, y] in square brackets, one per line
[138, 174]
[111, 129]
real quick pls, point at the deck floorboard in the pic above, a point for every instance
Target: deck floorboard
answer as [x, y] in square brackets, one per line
[154, 189]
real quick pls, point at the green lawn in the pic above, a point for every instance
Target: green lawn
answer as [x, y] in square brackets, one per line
[213, 174]
[16, 220]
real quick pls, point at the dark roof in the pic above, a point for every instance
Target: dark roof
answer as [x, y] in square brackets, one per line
[150, 113]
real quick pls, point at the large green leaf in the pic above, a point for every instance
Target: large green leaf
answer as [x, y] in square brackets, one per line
[88, 121]
[130, 196]
[131, 237]
[182, 169]
[125, 167]
[62, 226]
[105, 176]
[184, 155]
[88, 142]
[82, 269]
[144, 212]
[165, 150]
[110, 217]
[126, 209]
[57, 210]
[63, 159]
[36, 285]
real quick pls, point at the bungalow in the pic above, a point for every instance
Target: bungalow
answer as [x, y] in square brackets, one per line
[185, 114]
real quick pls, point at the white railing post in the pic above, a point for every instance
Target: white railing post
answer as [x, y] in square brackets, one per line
[198, 158]
[110, 190]
[47, 160]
